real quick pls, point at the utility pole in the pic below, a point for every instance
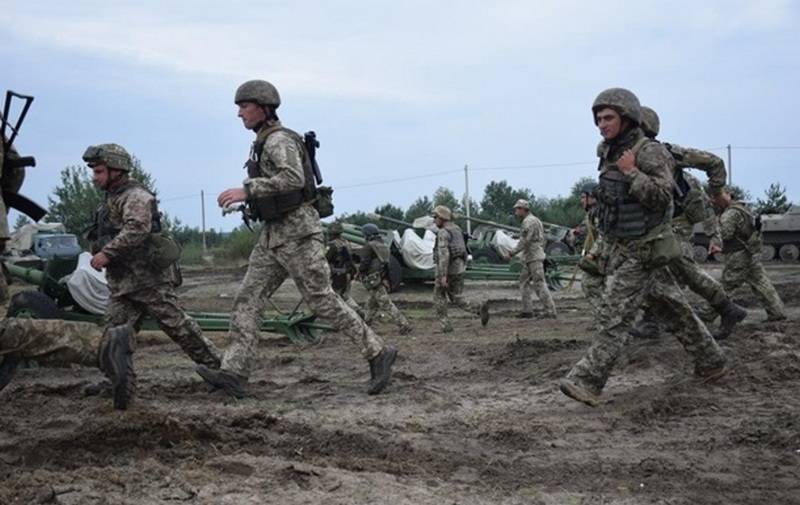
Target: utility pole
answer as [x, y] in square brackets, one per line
[466, 198]
[203, 212]
[730, 167]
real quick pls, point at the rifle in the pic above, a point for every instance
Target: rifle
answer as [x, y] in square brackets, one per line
[311, 143]
[11, 198]
[239, 208]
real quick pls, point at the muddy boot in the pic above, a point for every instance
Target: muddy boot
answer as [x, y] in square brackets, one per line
[116, 360]
[730, 316]
[232, 383]
[8, 367]
[712, 373]
[97, 389]
[382, 366]
[406, 329]
[483, 311]
[525, 315]
[579, 392]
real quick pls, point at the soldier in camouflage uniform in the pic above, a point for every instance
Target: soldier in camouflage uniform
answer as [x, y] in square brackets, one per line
[373, 271]
[279, 188]
[450, 262]
[530, 248]
[127, 242]
[635, 200]
[593, 282]
[63, 343]
[741, 244]
[340, 260]
[692, 205]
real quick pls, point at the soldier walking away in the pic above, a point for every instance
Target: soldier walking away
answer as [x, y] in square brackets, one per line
[450, 262]
[635, 211]
[741, 245]
[691, 206]
[530, 249]
[127, 242]
[342, 265]
[374, 274]
[280, 191]
[65, 343]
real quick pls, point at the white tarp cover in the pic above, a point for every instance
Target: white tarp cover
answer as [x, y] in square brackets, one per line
[503, 242]
[88, 286]
[22, 240]
[418, 252]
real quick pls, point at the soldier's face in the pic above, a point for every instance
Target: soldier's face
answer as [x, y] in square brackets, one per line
[252, 114]
[587, 201]
[100, 175]
[439, 222]
[520, 212]
[609, 122]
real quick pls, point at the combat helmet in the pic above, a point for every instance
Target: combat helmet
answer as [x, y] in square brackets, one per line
[589, 188]
[370, 230]
[111, 155]
[621, 100]
[650, 122]
[335, 229]
[258, 91]
[522, 204]
[442, 212]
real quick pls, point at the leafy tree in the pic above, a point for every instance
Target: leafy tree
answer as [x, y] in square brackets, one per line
[22, 220]
[499, 199]
[776, 201]
[392, 211]
[445, 196]
[422, 206]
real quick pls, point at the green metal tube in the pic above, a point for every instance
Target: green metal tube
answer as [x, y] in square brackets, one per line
[30, 275]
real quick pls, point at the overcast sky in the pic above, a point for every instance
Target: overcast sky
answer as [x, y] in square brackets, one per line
[398, 90]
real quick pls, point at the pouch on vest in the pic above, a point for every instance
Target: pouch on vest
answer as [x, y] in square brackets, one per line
[662, 245]
[324, 201]
[164, 251]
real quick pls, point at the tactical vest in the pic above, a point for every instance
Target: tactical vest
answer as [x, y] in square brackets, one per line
[620, 214]
[743, 236]
[687, 194]
[274, 206]
[103, 231]
[456, 244]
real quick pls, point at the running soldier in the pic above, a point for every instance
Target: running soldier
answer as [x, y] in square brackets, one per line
[342, 265]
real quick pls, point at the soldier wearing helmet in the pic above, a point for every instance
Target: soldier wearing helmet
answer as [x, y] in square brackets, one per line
[290, 244]
[373, 271]
[635, 210]
[593, 281]
[450, 263]
[691, 206]
[530, 249]
[342, 264]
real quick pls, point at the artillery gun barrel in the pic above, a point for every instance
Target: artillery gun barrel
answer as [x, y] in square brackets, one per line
[514, 229]
[30, 275]
[380, 217]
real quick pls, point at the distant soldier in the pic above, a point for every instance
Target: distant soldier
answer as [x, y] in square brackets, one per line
[374, 274]
[450, 262]
[635, 211]
[280, 191]
[691, 206]
[741, 244]
[64, 343]
[593, 281]
[128, 243]
[342, 265]
[530, 249]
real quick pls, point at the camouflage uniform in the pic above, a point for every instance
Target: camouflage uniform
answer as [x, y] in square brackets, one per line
[635, 213]
[50, 341]
[531, 278]
[593, 283]
[340, 260]
[291, 246]
[373, 270]
[453, 268]
[742, 247]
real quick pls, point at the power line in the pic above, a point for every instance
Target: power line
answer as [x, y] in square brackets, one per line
[767, 148]
[400, 179]
[541, 165]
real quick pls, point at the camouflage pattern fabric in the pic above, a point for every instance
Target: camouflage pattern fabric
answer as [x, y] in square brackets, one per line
[304, 261]
[130, 210]
[342, 268]
[631, 282]
[531, 278]
[443, 263]
[593, 288]
[281, 167]
[711, 164]
[530, 246]
[161, 303]
[380, 302]
[50, 341]
[744, 267]
[453, 293]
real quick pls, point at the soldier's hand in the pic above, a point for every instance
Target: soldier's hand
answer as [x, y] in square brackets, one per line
[443, 281]
[99, 261]
[231, 196]
[627, 162]
[714, 249]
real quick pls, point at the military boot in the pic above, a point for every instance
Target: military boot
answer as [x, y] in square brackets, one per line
[711, 373]
[381, 366]
[730, 316]
[231, 383]
[116, 360]
[525, 315]
[406, 329]
[579, 391]
[8, 367]
[483, 311]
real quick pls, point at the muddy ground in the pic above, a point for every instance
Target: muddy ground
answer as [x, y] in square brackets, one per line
[474, 416]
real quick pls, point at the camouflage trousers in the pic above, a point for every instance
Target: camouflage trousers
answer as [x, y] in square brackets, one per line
[344, 294]
[452, 293]
[379, 302]
[743, 267]
[4, 295]
[593, 287]
[50, 341]
[161, 303]
[531, 278]
[630, 284]
[304, 261]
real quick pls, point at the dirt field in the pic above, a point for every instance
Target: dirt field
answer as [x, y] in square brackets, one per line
[474, 416]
